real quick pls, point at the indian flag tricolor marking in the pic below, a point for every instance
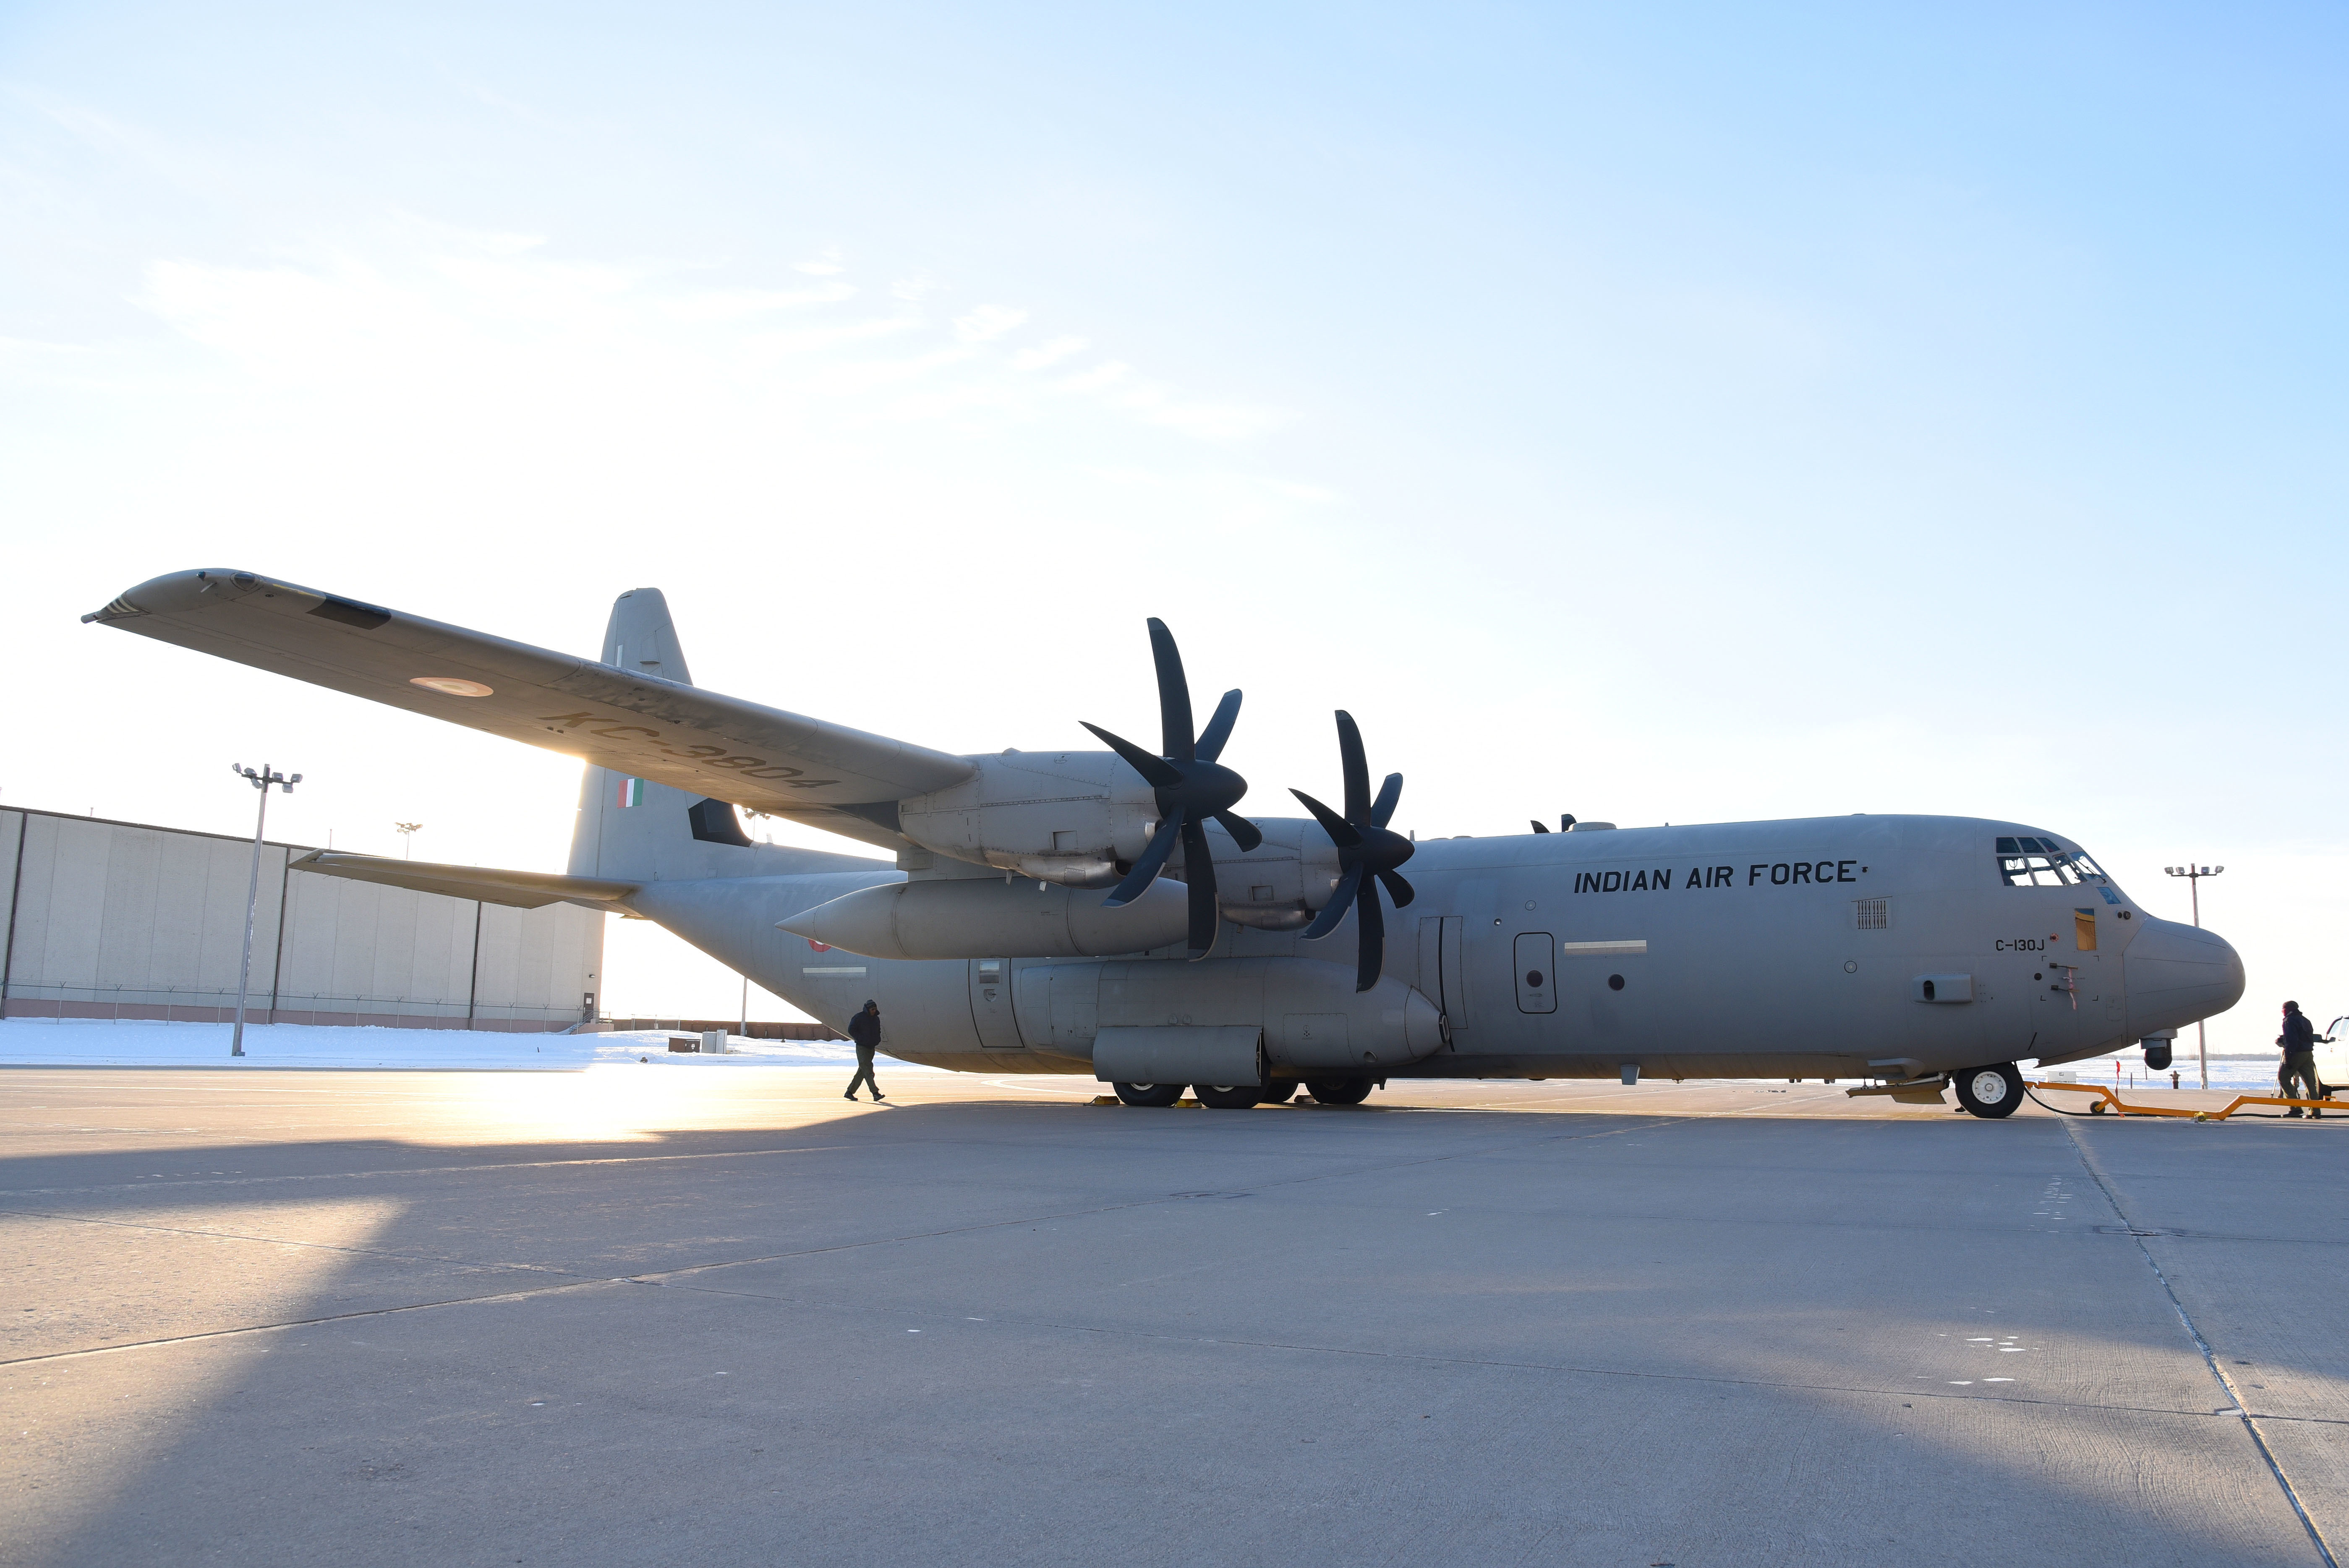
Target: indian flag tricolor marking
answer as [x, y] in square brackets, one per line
[632, 792]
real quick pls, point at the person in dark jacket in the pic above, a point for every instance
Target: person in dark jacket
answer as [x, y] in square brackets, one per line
[2299, 1043]
[865, 1030]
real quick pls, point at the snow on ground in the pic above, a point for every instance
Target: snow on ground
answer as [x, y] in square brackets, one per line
[2236, 1077]
[98, 1043]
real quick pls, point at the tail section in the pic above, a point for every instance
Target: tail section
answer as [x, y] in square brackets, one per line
[633, 830]
[641, 637]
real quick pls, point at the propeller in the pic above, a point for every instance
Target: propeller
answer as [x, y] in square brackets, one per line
[1564, 823]
[1189, 787]
[1366, 850]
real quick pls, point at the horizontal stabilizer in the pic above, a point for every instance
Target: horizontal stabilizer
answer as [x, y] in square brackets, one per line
[523, 890]
[631, 721]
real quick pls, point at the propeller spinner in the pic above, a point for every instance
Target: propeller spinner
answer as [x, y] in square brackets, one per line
[1190, 788]
[1366, 850]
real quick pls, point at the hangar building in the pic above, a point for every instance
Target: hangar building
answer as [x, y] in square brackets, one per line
[120, 919]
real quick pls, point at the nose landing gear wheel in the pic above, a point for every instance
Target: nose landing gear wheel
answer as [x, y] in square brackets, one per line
[1225, 1095]
[1339, 1091]
[1149, 1094]
[1990, 1092]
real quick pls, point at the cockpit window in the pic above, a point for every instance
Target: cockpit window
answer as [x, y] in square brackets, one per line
[2027, 861]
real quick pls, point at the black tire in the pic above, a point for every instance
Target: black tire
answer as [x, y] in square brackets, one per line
[1339, 1091]
[1990, 1092]
[1227, 1096]
[1279, 1092]
[1156, 1095]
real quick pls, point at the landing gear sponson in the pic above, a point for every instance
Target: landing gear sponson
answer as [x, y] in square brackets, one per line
[1240, 1097]
[1991, 1092]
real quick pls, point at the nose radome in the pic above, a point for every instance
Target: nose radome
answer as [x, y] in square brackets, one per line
[2175, 974]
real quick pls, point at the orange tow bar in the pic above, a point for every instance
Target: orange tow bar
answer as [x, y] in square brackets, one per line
[2240, 1100]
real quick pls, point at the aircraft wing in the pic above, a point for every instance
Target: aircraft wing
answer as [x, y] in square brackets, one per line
[523, 890]
[632, 722]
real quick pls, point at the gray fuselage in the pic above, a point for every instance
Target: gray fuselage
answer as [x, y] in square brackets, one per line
[1802, 948]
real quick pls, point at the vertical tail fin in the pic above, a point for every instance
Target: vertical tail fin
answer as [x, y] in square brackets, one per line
[634, 829]
[641, 637]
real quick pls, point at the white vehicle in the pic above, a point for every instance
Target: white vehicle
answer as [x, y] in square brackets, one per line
[2333, 1057]
[1111, 911]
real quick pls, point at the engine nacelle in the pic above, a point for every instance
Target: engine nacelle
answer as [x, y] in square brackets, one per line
[1075, 818]
[986, 917]
[1279, 884]
[1065, 817]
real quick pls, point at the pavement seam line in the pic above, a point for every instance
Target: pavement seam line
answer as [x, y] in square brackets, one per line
[417, 1170]
[284, 1241]
[2210, 1357]
[1563, 1368]
[307, 1322]
[1353, 1171]
[661, 1277]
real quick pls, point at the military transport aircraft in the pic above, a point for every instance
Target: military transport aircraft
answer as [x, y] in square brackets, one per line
[1112, 912]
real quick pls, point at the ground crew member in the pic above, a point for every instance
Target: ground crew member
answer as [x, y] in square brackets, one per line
[2299, 1043]
[865, 1030]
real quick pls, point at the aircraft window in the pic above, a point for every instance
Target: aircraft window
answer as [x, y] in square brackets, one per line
[2039, 862]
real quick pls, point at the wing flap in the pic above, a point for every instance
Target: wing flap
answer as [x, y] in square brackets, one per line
[523, 890]
[634, 723]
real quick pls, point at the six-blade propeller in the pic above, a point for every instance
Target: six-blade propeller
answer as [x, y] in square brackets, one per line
[1189, 787]
[1367, 851]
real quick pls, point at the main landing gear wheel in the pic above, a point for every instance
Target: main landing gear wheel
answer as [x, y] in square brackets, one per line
[1159, 1095]
[1279, 1092]
[1990, 1092]
[1339, 1091]
[1225, 1095]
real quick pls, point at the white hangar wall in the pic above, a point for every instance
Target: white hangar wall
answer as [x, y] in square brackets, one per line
[120, 920]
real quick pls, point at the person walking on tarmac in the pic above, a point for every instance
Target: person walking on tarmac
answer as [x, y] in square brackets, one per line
[2299, 1043]
[865, 1030]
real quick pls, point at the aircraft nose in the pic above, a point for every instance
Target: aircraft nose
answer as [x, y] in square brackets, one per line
[2177, 974]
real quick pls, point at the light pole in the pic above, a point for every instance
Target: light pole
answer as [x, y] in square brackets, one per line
[408, 831]
[2194, 875]
[260, 781]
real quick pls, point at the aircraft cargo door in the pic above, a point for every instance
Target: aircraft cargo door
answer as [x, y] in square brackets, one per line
[990, 1006]
[1536, 972]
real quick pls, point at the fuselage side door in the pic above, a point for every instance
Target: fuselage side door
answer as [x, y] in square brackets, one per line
[1439, 967]
[1536, 972]
[990, 1006]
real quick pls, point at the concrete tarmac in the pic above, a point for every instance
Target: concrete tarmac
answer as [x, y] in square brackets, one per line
[668, 1315]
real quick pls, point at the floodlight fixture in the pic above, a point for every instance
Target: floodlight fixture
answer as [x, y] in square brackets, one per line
[260, 779]
[2194, 875]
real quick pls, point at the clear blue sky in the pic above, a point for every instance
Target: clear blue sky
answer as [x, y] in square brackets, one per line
[1662, 413]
